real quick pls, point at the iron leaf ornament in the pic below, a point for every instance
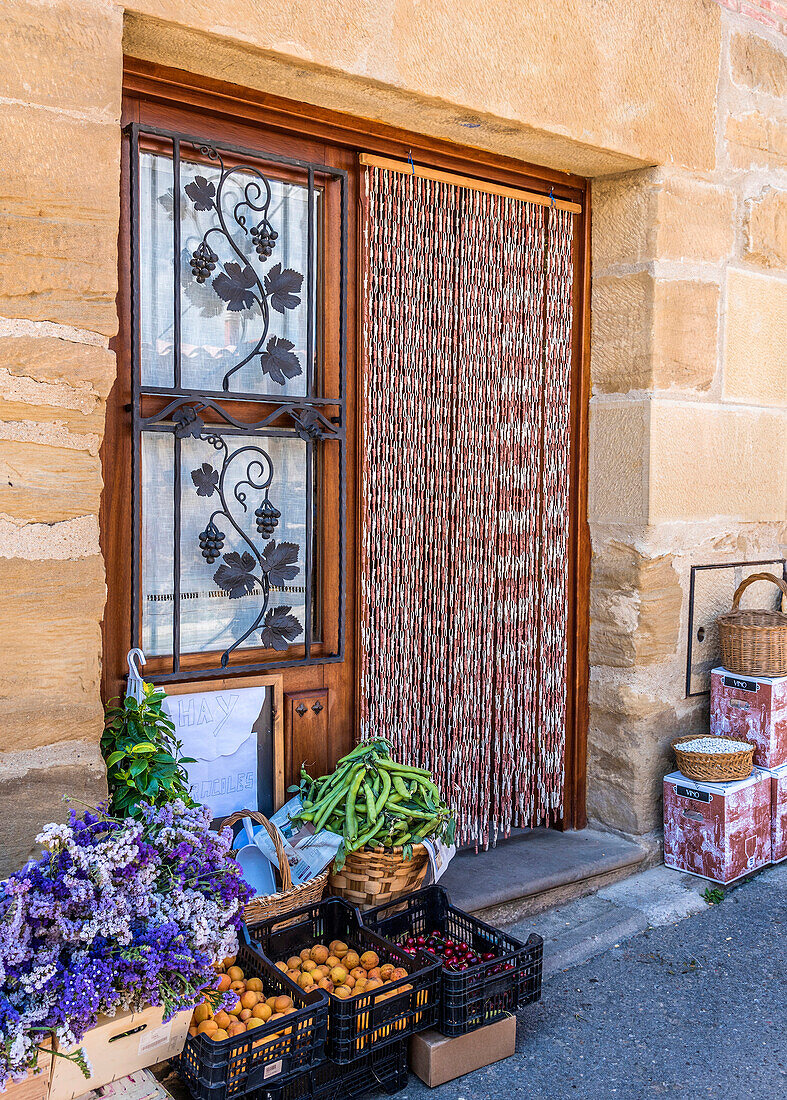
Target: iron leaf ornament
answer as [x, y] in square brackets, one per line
[237, 282]
[281, 628]
[279, 360]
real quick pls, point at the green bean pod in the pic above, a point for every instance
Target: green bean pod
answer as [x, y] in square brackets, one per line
[351, 828]
[385, 790]
[371, 809]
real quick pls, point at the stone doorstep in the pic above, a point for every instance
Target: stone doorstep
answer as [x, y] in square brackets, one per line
[536, 869]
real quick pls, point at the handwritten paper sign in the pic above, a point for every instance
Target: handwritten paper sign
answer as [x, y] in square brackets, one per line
[216, 729]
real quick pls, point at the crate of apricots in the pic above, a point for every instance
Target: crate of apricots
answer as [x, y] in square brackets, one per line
[271, 1029]
[376, 992]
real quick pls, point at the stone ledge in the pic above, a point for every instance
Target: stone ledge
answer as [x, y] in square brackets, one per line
[514, 873]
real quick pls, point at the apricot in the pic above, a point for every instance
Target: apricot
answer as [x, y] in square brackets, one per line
[217, 1036]
[236, 1029]
[294, 962]
[254, 1022]
[229, 961]
[271, 1002]
[343, 992]
[236, 1009]
[369, 960]
[276, 1016]
[358, 972]
[261, 1012]
[254, 985]
[235, 973]
[305, 981]
[373, 983]
[223, 1019]
[320, 953]
[321, 972]
[359, 986]
[293, 975]
[306, 954]
[398, 973]
[223, 984]
[192, 1031]
[332, 961]
[245, 1015]
[282, 966]
[374, 972]
[338, 948]
[351, 959]
[337, 975]
[201, 1013]
[207, 1027]
[282, 1003]
[349, 981]
[326, 983]
[249, 999]
[386, 970]
[308, 965]
[238, 987]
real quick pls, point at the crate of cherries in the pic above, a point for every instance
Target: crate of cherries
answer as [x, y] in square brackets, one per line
[455, 956]
[485, 972]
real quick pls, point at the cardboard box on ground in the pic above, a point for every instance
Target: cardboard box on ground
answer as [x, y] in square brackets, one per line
[437, 1059]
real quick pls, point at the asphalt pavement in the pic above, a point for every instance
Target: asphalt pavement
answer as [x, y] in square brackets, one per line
[696, 1008]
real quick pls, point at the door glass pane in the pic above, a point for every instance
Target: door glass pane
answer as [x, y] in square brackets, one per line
[226, 318]
[219, 600]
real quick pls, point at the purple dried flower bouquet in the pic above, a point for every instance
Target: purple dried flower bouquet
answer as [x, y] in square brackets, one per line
[117, 915]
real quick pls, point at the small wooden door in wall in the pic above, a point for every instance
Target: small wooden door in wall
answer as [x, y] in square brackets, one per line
[306, 733]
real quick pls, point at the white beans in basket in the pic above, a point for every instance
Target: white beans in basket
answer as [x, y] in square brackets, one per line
[713, 744]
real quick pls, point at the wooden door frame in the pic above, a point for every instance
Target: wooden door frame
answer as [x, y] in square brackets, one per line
[165, 86]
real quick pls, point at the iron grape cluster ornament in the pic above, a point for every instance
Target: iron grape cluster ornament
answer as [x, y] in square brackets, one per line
[264, 239]
[267, 518]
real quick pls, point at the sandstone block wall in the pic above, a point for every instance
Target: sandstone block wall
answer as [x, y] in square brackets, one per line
[689, 409]
[60, 86]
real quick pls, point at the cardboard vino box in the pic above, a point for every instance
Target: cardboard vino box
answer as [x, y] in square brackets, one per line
[778, 813]
[437, 1059]
[753, 707]
[720, 831]
[119, 1046]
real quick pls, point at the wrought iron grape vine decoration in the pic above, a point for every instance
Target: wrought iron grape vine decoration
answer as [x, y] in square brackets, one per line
[239, 285]
[241, 573]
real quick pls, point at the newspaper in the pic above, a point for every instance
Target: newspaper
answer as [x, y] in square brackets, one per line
[308, 853]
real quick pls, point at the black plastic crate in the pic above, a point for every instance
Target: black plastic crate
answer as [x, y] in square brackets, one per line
[246, 1063]
[384, 1069]
[370, 1020]
[484, 992]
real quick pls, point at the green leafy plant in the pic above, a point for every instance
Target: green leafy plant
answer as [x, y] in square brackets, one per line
[713, 896]
[142, 754]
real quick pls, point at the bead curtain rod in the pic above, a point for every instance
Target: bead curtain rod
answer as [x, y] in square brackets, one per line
[410, 169]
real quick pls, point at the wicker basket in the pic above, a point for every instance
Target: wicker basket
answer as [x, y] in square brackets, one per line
[754, 643]
[715, 767]
[373, 876]
[291, 897]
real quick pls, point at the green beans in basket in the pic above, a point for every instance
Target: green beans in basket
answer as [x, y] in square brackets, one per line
[372, 800]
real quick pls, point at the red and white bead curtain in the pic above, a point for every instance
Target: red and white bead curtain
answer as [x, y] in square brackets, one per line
[466, 447]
